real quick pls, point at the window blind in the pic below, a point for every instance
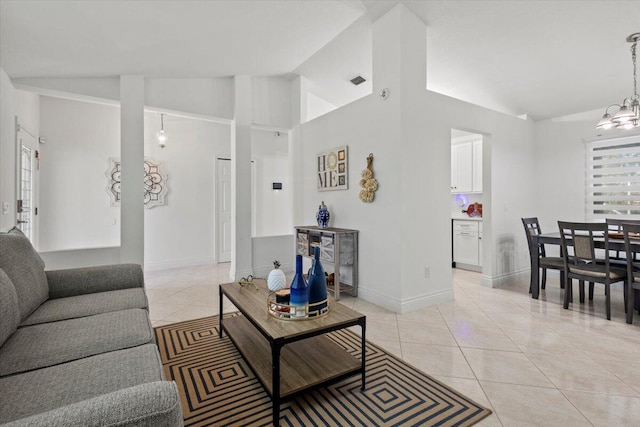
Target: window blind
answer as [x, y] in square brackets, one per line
[613, 178]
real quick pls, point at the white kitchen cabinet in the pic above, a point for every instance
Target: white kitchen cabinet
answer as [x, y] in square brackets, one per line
[461, 168]
[466, 167]
[467, 243]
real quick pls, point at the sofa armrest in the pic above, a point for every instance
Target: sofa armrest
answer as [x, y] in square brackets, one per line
[155, 404]
[89, 280]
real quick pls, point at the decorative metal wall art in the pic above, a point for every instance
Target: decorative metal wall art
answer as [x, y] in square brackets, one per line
[155, 182]
[333, 171]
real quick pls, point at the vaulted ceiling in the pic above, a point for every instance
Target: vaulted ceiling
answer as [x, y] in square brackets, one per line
[541, 58]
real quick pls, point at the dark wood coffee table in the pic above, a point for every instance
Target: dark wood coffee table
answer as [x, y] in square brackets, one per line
[289, 356]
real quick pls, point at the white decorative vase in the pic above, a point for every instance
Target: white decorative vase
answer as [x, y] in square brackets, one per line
[276, 279]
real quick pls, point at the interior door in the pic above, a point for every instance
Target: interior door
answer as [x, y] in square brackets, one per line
[223, 209]
[27, 165]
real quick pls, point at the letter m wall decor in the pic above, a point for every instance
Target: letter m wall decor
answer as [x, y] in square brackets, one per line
[332, 169]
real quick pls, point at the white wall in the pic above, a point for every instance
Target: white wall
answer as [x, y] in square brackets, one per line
[75, 209]
[508, 179]
[272, 208]
[560, 156]
[211, 98]
[102, 88]
[183, 231]
[7, 152]
[271, 248]
[74, 258]
[368, 125]
[208, 97]
[76, 213]
[27, 108]
[316, 107]
[390, 257]
[271, 99]
[81, 136]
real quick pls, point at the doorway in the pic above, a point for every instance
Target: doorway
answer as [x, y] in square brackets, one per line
[467, 200]
[26, 180]
[223, 210]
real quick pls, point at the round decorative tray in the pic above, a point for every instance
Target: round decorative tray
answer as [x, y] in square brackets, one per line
[290, 312]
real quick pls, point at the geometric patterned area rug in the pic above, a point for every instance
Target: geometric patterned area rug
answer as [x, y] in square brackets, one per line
[218, 388]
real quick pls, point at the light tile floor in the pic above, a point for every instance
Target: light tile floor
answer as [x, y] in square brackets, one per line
[532, 362]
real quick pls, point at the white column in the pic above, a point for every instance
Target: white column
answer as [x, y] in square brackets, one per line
[132, 158]
[241, 243]
[298, 115]
[399, 65]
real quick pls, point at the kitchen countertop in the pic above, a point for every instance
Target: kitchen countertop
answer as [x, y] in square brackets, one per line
[467, 218]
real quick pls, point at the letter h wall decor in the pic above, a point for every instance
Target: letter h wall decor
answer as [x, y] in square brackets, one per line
[333, 171]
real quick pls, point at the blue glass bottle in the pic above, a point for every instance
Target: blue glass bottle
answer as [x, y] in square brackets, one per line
[299, 290]
[317, 282]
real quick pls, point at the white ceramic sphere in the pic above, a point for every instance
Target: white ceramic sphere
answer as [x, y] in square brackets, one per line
[276, 280]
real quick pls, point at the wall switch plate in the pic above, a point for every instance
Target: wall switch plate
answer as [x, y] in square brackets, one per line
[5, 208]
[427, 272]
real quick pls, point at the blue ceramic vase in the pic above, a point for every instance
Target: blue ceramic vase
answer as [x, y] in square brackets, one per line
[317, 283]
[299, 291]
[322, 216]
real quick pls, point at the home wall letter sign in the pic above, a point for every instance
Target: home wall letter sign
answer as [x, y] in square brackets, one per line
[333, 171]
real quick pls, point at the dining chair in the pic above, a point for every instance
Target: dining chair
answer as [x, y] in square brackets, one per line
[532, 228]
[631, 233]
[615, 226]
[580, 261]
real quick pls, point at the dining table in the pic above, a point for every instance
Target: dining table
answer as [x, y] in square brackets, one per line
[616, 243]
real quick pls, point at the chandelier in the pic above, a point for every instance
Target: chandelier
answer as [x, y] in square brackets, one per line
[628, 114]
[162, 135]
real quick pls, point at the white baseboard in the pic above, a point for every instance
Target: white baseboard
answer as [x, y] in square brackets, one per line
[405, 306]
[379, 299]
[426, 300]
[503, 279]
[155, 266]
[470, 267]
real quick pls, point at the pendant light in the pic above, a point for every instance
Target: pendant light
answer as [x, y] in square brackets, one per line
[162, 136]
[628, 114]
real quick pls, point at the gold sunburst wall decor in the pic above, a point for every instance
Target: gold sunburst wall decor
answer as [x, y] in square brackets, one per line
[368, 182]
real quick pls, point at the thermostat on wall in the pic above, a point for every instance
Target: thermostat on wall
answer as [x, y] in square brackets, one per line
[277, 186]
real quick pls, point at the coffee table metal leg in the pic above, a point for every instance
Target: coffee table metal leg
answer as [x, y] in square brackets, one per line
[275, 381]
[363, 324]
[220, 318]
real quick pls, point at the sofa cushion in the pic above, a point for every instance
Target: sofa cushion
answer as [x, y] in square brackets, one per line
[87, 305]
[155, 404]
[46, 389]
[25, 268]
[90, 280]
[9, 314]
[48, 344]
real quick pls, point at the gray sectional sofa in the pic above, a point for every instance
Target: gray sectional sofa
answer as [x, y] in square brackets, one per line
[76, 346]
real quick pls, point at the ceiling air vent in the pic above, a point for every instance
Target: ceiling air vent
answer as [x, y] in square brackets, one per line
[357, 80]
